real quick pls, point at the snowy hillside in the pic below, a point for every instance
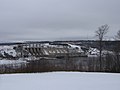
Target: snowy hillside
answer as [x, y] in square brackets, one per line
[60, 81]
[7, 50]
[93, 51]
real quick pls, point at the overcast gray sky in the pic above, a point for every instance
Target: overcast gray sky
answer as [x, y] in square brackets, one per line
[56, 19]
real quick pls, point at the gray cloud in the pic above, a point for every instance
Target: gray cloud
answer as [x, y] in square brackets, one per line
[56, 19]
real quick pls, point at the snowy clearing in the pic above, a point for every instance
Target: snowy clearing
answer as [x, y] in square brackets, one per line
[60, 81]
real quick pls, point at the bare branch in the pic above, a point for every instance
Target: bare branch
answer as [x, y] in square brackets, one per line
[102, 31]
[118, 35]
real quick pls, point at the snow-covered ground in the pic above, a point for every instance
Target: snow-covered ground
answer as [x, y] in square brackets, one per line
[93, 51]
[60, 81]
[6, 62]
[7, 49]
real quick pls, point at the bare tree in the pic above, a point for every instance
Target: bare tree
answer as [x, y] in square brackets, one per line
[117, 37]
[117, 51]
[100, 34]
[117, 44]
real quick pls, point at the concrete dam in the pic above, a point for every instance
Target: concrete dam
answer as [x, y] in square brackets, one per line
[47, 50]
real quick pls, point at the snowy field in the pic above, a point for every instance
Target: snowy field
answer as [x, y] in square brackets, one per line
[60, 81]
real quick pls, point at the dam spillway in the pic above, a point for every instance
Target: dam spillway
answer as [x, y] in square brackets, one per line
[46, 50]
